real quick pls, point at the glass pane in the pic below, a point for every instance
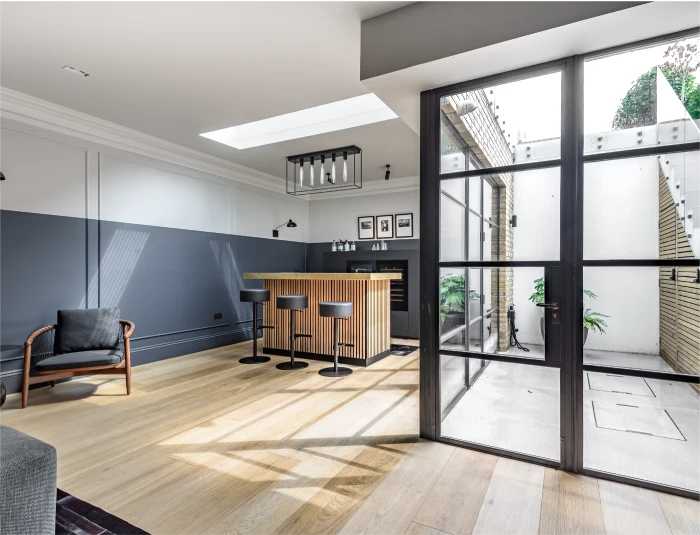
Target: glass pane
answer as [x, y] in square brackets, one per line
[453, 317]
[475, 194]
[452, 150]
[489, 199]
[509, 406]
[645, 318]
[642, 428]
[474, 237]
[642, 208]
[454, 187]
[504, 124]
[452, 223]
[475, 336]
[490, 241]
[536, 205]
[474, 367]
[641, 98]
[503, 288]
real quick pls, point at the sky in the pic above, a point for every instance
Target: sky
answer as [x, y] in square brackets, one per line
[532, 107]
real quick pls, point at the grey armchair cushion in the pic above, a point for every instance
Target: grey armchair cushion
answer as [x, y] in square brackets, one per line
[86, 330]
[80, 359]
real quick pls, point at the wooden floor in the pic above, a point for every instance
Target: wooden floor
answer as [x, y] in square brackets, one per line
[206, 445]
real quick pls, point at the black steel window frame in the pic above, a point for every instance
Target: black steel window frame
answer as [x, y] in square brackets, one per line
[571, 261]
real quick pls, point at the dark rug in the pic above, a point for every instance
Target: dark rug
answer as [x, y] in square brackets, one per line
[401, 350]
[76, 517]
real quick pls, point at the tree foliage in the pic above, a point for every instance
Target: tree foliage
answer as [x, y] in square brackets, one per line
[638, 107]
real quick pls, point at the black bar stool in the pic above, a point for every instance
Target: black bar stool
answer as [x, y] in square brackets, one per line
[255, 296]
[336, 310]
[293, 303]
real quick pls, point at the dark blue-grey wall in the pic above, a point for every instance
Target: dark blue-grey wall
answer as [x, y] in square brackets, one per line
[170, 282]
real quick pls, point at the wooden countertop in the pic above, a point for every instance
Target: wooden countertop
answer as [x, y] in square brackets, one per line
[326, 276]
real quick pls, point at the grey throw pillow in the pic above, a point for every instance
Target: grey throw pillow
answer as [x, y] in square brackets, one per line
[86, 329]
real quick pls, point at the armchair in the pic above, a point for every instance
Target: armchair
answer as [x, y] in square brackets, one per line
[82, 342]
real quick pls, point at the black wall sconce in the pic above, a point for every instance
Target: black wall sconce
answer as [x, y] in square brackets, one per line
[388, 172]
[289, 224]
[514, 221]
[2, 175]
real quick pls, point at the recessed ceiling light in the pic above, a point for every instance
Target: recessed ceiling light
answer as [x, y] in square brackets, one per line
[349, 113]
[73, 70]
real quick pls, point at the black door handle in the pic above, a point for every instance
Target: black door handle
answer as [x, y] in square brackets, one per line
[553, 306]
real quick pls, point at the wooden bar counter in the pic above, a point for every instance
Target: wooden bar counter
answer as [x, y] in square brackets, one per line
[368, 329]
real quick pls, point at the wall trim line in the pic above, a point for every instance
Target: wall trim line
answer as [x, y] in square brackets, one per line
[30, 110]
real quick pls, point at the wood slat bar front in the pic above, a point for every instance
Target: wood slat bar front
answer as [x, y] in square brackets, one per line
[368, 329]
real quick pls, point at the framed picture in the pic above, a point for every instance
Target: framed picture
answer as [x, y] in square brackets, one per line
[365, 227]
[404, 225]
[385, 227]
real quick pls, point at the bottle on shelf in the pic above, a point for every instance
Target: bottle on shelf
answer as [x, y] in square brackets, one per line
[352, 246]
[334, 247]
[347, 245]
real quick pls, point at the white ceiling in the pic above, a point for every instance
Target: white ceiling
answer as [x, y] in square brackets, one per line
[178, 69]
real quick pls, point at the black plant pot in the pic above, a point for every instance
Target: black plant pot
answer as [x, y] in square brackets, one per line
[451, 323]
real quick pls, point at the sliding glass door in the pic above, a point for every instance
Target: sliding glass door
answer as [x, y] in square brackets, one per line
[560, 280]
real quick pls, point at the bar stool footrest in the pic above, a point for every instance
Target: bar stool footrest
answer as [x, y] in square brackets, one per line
[266, 327]
[346, 345]
[302, 336]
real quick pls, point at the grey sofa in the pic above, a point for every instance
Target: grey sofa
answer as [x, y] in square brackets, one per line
[27, 484]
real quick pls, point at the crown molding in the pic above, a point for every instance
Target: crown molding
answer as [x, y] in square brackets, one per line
[43, 114]
[375, 187]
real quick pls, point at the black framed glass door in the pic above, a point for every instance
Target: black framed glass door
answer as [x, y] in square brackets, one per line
[500, 264]
[538, 265]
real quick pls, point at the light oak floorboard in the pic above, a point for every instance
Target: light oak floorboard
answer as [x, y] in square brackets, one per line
[419, 529]
[207, 445]
[513, 499]
[570, 505]
[455, 500]
[682, 514]
[628, 510]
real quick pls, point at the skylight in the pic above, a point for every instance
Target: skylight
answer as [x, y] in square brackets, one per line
[349, 113]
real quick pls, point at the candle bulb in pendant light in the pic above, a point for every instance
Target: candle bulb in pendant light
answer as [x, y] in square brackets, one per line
[345, 167]
[323, 170]
[311, 176]
[332, 179]
[301, 174]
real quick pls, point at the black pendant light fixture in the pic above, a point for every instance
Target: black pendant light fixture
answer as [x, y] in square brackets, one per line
[288, 224]
[300, 182]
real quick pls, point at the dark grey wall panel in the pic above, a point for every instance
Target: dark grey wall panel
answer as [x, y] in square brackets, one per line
[43, 263]
[165, 280]
[170, 282]
[427, 31]
[314, 251]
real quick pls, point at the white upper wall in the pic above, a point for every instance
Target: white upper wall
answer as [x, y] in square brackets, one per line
[333, 219]
[621, 217]
[49, 172]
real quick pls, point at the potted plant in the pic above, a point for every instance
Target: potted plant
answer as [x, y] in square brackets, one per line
[591, 320]
[452, 305]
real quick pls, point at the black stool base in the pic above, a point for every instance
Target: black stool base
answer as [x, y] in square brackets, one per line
[298, 365]
[330, 372]
[254, 360]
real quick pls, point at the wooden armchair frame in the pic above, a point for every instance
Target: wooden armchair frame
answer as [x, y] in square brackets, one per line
[123, 368]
